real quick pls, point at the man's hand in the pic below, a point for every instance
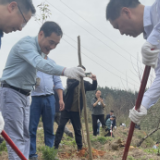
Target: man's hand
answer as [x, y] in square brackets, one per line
[1, 123]
[136, 116]
[93, 77]
[74, 72]
[61, 105]
[150, 54]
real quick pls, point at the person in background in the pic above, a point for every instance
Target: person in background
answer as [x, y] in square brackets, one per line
[109, 124]
[58, 116]
[97, 106]
[71, 112]
[98, 126]
[123, 125]
[44, 104]
[156, 146]
[109, 115]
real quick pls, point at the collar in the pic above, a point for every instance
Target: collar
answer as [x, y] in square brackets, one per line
[146, 20]
[37, 44]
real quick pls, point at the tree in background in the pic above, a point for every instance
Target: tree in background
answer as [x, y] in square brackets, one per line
[44, 12]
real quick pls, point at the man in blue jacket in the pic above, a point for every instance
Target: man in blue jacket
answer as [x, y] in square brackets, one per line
[109, 116]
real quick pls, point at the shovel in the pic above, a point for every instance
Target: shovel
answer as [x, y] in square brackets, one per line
[138, 103]
[14, 147]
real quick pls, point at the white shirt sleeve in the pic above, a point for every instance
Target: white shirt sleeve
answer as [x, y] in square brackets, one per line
[152, 95]
[154, 37]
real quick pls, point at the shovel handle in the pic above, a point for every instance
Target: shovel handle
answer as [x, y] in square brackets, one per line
[12, 144]
[138, 103]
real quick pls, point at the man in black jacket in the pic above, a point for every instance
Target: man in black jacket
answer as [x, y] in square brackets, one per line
[114, 121]
[71, 109]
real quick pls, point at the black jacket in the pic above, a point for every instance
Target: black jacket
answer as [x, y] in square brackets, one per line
[71, 85]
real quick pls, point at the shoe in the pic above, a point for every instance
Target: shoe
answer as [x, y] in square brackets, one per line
[33, 158]
[70, 134]
[79, 148]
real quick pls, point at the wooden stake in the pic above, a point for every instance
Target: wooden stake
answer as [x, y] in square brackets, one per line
[79, 108]
[84, 102]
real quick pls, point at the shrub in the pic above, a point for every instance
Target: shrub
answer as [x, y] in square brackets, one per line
[49, 153]
[3, 146]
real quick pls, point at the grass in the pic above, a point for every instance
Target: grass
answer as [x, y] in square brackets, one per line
[3, 147]
[145, 152]
[102, 140]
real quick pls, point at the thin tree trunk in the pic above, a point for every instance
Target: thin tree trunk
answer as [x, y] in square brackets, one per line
[141, 141]
[79, 108]
[84, 103]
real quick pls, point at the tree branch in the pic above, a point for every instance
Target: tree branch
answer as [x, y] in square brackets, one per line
[141, 141]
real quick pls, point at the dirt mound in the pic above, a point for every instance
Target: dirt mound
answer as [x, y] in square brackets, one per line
[82, 153]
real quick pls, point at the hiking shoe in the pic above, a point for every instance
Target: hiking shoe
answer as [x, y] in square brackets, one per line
[33, 158]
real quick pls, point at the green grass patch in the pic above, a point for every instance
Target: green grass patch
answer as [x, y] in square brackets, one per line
[49, 153]
[3, 146]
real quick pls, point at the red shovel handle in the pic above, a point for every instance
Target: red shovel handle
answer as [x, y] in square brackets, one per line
[14, 147]
[138, 103]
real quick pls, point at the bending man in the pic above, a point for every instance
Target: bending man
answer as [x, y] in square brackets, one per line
[132, 18]
[19, 78]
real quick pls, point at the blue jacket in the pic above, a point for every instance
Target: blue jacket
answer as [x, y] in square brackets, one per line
[114, 121]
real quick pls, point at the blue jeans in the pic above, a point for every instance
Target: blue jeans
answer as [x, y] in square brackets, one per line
[45, 106]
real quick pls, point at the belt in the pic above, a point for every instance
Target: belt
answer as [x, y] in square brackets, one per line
[24, 92]
[46, 95]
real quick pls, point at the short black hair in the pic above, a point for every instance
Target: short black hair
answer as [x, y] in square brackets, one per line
[82, 67]
[111, 111]
[25, 5]
[113, 116]
[114, 7]
[49, 27]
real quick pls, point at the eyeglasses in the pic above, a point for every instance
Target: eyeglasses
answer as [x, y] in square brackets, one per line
[22, 25]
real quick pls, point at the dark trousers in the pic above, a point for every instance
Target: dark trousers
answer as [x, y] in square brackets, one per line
[75, 119]
[94, 122]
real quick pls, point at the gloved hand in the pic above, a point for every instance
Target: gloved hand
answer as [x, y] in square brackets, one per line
[136, 116]
[74, 72]
[1, 123]
[150, 54]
